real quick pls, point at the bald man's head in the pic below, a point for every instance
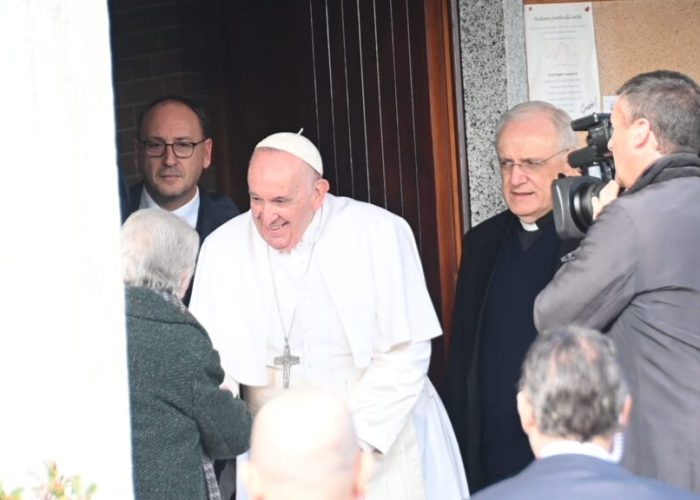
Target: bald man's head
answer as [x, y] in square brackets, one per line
[304, 446]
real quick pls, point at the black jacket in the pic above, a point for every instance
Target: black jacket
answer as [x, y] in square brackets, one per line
[481, 249]
[214, 210]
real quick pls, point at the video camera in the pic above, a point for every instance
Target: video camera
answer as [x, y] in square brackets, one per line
[572, 196]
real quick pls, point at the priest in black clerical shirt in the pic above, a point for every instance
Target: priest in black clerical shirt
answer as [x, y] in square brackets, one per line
[506, 261]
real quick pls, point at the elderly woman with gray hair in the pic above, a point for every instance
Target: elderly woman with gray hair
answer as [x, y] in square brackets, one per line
[180, 416]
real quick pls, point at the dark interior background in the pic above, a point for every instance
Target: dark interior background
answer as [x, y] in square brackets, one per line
[368, 81]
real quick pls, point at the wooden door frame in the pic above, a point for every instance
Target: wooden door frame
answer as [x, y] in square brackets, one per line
[447, 131]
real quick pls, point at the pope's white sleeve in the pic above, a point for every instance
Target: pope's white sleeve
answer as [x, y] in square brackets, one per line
[387, 392]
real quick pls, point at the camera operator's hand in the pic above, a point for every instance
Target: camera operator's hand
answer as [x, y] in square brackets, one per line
[607, 194]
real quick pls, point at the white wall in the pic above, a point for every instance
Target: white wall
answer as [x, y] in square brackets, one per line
[63, 372]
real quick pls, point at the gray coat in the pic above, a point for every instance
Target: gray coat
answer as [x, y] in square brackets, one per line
[178, 412]
[636, 276]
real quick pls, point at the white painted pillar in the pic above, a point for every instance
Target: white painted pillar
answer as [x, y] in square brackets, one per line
[63, 372]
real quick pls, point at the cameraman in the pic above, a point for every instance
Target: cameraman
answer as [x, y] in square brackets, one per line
[636, 275]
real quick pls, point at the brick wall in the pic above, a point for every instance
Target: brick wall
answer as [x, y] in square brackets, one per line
[158, 48]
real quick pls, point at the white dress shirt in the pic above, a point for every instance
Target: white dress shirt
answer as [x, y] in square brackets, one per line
[187, 212]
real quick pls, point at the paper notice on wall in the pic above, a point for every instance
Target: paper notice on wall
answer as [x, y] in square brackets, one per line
[608, 103]
[562, 67]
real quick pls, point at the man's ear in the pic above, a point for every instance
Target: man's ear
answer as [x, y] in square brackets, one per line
[321, 187]
[208, 144]
[625, 413]
[526, 413]
[364, 463]
[185, 277]
[642, 133]
[570, 171]
[251, 479]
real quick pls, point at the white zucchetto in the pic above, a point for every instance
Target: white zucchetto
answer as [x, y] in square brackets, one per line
[295, 144]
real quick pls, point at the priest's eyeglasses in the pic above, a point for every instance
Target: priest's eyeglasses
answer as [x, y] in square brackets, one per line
[528, 165]
[181, 149]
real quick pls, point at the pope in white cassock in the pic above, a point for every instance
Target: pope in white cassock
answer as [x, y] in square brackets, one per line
[307, 289]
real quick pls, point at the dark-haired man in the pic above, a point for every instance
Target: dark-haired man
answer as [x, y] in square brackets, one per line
[572, 400]
[173, 148]
[636, 276]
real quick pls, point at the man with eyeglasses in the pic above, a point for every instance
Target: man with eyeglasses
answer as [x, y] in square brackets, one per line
[506, 261]
[173, 148]
[636, 277]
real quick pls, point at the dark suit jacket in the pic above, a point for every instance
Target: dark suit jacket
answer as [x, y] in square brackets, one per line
[481, 248]
[123, 194]
[178, 411]
[214, 210]
[579, 477]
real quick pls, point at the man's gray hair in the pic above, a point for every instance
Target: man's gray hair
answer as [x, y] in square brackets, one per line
[560, 119]
[671, 102]
[157, 248]
[574, 384]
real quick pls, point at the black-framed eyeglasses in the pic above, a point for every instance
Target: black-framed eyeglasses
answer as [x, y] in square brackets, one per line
[181, 149]
[528, 165]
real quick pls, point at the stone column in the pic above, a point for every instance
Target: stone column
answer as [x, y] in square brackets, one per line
[494, 76]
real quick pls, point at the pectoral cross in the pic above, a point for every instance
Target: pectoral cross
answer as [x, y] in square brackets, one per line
[287, 361]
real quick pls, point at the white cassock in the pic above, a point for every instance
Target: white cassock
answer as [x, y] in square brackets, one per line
[352, 300]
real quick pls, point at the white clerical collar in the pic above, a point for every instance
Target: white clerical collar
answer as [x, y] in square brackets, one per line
[528, 226]
[187, 212]
[565, 447]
